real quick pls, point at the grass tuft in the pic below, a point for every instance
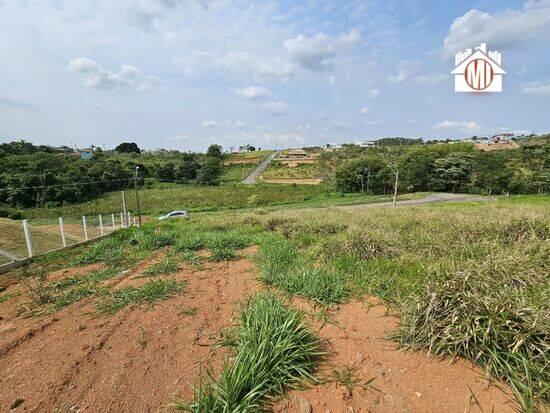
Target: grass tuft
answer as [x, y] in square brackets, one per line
[273, 350]
[168, 265]
[153, 291]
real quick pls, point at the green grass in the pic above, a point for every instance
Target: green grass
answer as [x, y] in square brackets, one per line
[168, 265]
[153, 291]
[236, 172]
[273, 350]
[302, 171]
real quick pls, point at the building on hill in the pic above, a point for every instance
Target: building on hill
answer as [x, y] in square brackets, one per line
[501, 138]
[330, 147]
[366, 144]
[86, 153]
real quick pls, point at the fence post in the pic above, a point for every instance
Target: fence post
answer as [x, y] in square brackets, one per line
[123, 208]
[27, 237]
[129, 219]
[122, 220]
[62, 230]
[101, 225]
[113, 219]
[85, 228]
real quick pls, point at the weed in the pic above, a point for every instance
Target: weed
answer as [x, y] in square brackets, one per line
[153, 291]
[274, 349]
[143, 339]
[348, 377]
[167, 265]
[188, 311]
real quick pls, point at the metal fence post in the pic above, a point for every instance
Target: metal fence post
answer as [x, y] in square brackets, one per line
[129, 220]
[101, 225]
[85, 228]
[62, 230]
[113, 219]
[27, 231]
[122, 220]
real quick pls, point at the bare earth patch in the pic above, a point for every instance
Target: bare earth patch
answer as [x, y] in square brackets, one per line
[389, 379]
[140, 358]
[133, 361]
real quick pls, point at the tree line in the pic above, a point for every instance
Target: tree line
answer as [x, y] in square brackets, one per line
[32, 176]
[445, 168]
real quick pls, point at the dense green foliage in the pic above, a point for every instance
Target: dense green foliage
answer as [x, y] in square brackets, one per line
[43, 176]
[445, 167]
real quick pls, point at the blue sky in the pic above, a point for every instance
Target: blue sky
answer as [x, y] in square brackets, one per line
[185, 73]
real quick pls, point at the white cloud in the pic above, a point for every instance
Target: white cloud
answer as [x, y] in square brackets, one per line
[332, 80]
[235, 63]
[431, 79]
[96, 76]
[253, 92]
[239, 124]
[468, 126]
[372, 93]
[372, 123]
[500, 30]
[179, 138]
[403, 71]
[364, 110]
[211, 124]
[318, 52]
[341, 125]
[536, 88]
[275, 108]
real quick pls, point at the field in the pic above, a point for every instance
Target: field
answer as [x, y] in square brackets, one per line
[162, 198]
[199, 313]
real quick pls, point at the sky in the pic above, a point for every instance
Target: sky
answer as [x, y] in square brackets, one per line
[182, 74]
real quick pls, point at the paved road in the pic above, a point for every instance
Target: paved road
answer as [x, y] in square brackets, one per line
[430, 199]
[251, 179]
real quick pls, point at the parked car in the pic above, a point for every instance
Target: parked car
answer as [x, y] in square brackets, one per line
[175, 214]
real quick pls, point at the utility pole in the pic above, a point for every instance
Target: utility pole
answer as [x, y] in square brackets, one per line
[137, 194]
[396, 172]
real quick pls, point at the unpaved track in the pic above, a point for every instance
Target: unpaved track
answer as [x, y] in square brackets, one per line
[251, 179]
[140, 358]
[430, 199]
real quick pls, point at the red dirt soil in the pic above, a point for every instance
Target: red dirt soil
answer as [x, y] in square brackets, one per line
[403, 381]
[141, 358]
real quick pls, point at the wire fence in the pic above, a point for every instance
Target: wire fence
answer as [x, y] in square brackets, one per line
[21, 239]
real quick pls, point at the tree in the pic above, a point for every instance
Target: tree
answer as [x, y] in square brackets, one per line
[166, 171]
[128, 147]
[452, 173]
[214, 151]
[186, 170]
[210, 171]
[362, 175]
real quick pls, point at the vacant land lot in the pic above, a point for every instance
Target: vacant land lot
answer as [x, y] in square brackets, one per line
[243, 305]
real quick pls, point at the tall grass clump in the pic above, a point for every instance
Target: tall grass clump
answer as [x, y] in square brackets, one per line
[273, 350]
[494, 314]
[282, 267]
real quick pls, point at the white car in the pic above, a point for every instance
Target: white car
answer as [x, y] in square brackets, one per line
[175, 214]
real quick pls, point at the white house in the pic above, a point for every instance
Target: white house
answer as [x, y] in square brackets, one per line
[366, 144]
[478, 70]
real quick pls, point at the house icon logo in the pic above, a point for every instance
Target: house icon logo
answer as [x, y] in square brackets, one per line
[478, 71]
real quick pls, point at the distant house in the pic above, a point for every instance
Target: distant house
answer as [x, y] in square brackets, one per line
[296, 154]
[86, 153]
[366, 144]
[501, 138]
[332, 147]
